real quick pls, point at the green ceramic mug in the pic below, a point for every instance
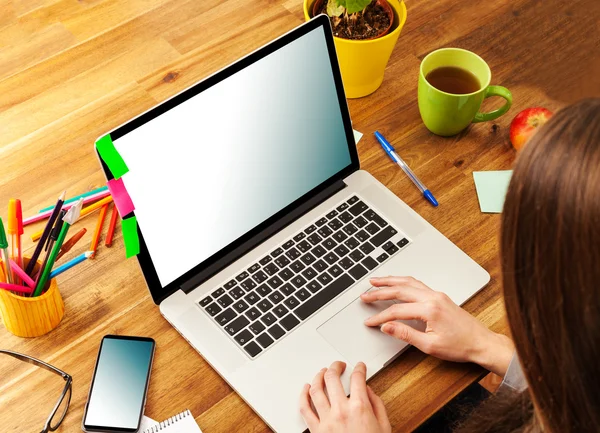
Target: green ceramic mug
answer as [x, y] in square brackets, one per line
[447, 114]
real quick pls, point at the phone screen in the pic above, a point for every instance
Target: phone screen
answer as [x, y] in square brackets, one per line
[119, 386]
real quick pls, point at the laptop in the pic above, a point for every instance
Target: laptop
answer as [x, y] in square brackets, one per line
[259, 231]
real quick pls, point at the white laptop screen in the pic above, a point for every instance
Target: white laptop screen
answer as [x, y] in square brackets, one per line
[214, 167]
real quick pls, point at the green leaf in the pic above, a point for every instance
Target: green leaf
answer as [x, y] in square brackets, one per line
[334, 8]
[353, 6]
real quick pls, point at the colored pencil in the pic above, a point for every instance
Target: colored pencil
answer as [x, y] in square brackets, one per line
[51, 240]
[72, 241]
[15, 288]
[98, 231]
[21, 273]
[4, 251]
[77, 197]
[70, 264]
[111, 227]
[15, 229]
[46, 214]
[46, 233]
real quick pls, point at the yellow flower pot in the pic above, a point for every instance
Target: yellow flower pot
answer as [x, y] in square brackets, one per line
[363, 63]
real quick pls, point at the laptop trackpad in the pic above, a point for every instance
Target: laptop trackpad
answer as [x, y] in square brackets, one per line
[347, 333]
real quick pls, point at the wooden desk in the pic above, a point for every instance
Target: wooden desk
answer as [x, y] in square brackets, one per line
[71, 70]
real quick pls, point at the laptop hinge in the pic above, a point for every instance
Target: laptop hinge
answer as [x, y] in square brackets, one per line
[261, 237]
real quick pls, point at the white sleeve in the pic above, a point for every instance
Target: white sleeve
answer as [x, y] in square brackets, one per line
[514, 379]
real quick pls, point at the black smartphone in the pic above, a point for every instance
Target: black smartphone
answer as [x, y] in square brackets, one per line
[118, 392]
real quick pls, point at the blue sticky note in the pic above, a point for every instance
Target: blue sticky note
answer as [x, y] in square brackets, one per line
[491, 189]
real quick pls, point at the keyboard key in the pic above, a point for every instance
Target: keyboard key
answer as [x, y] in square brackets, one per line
[291, 302]
[237, 292]
[304, 246]
[257, 328]
[335, 271]
[252, 298]
[367, 248]
[276, 297]
[286, 274]
[311, 228]
[263, 290]
[362, 235]
[351, 243]
[392, 250]
[248, 284]
[325, 278]
[277, 252]
[372, 216]
[298, 281]
[382, 257]
[237, 325]
[265, 260]
[213, 309]
[302, 294]
[293, 254]
[358, 271]
[360, 222]
[282, 261]
[325, 231]
[341, 250]
[289, 322]
[280, 311]
[331, 214]
[315, 238]
[340, 236]
[358, 208]
[255, 267]
[297, 266]
[260, 277]
[331, 258]
[402, 242]
[276, 331]
[322, 297]
[218, 292]
[346, 263]
[387, 245]
[356, 255]
[383, 235]
[287, 289]
[275, 282]
[264, 340]
[205, 301]
[264, 305]
[299, 237]
[314, 286]
[350, 229]
[335, 224]
[271, 269]
[329, 243]
[225, 301]
[289, 244]
[309, 273]
[318, 251]
[253, 313]
[322, 221]
[308, 259]
[240, 306]
[372, 228]
[268, 319]
[345, 217]
[370, 263]
[352, 200]
[252, 349]
[342, 207]
[229, 285]
[225, 317]
[243, 337]
[241, 277]
[320, 265]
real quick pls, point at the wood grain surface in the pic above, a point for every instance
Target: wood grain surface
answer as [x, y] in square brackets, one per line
[72, 69]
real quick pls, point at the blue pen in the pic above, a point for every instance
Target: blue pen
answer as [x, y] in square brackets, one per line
[389, 149]
[70, 264]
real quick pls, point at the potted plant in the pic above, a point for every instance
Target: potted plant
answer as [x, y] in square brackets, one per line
[365, 33]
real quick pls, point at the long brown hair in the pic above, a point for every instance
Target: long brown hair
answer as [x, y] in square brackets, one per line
[550, 251]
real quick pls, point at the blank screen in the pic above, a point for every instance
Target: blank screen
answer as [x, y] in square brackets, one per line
[214, 167]
[117, 394]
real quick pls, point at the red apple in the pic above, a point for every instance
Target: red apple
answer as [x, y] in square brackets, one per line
[526, 123]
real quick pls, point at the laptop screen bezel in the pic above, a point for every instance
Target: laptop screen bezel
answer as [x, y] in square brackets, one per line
[263, 231]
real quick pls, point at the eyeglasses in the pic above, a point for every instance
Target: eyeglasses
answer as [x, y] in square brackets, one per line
[57, 416]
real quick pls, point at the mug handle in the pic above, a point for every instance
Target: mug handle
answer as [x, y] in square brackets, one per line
[503, 92]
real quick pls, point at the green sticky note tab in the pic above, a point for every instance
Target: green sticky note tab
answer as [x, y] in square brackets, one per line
[491, 189]
[130, 236]
[111, 157]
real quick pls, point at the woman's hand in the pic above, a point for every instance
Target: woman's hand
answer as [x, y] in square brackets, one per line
[362, 412]
[451, 334]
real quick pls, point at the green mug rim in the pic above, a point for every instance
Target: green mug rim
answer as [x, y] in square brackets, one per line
[483, 87]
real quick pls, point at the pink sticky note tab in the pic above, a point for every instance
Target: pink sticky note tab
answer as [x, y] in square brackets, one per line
[120, 196]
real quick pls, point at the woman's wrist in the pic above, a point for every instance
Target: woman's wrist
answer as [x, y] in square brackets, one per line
[494, 353]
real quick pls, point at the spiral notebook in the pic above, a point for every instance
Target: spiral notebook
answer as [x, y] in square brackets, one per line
[181, 423]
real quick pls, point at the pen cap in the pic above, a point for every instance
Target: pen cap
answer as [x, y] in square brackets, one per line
[15, 217]
[3, 240]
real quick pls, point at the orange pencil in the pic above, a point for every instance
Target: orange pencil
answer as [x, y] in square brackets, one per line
[72, 241]
[111, 227]
[98, 231]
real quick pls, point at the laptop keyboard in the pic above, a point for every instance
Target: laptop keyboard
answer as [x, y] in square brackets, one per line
[265, 302]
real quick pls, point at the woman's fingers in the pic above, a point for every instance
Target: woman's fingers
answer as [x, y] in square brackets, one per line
[378, 406]
[401, 293]
[309, 416]
[317, 394]
[358, 382]
[410, 335]
[396, 281]
[335, 390]
[405, 311]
